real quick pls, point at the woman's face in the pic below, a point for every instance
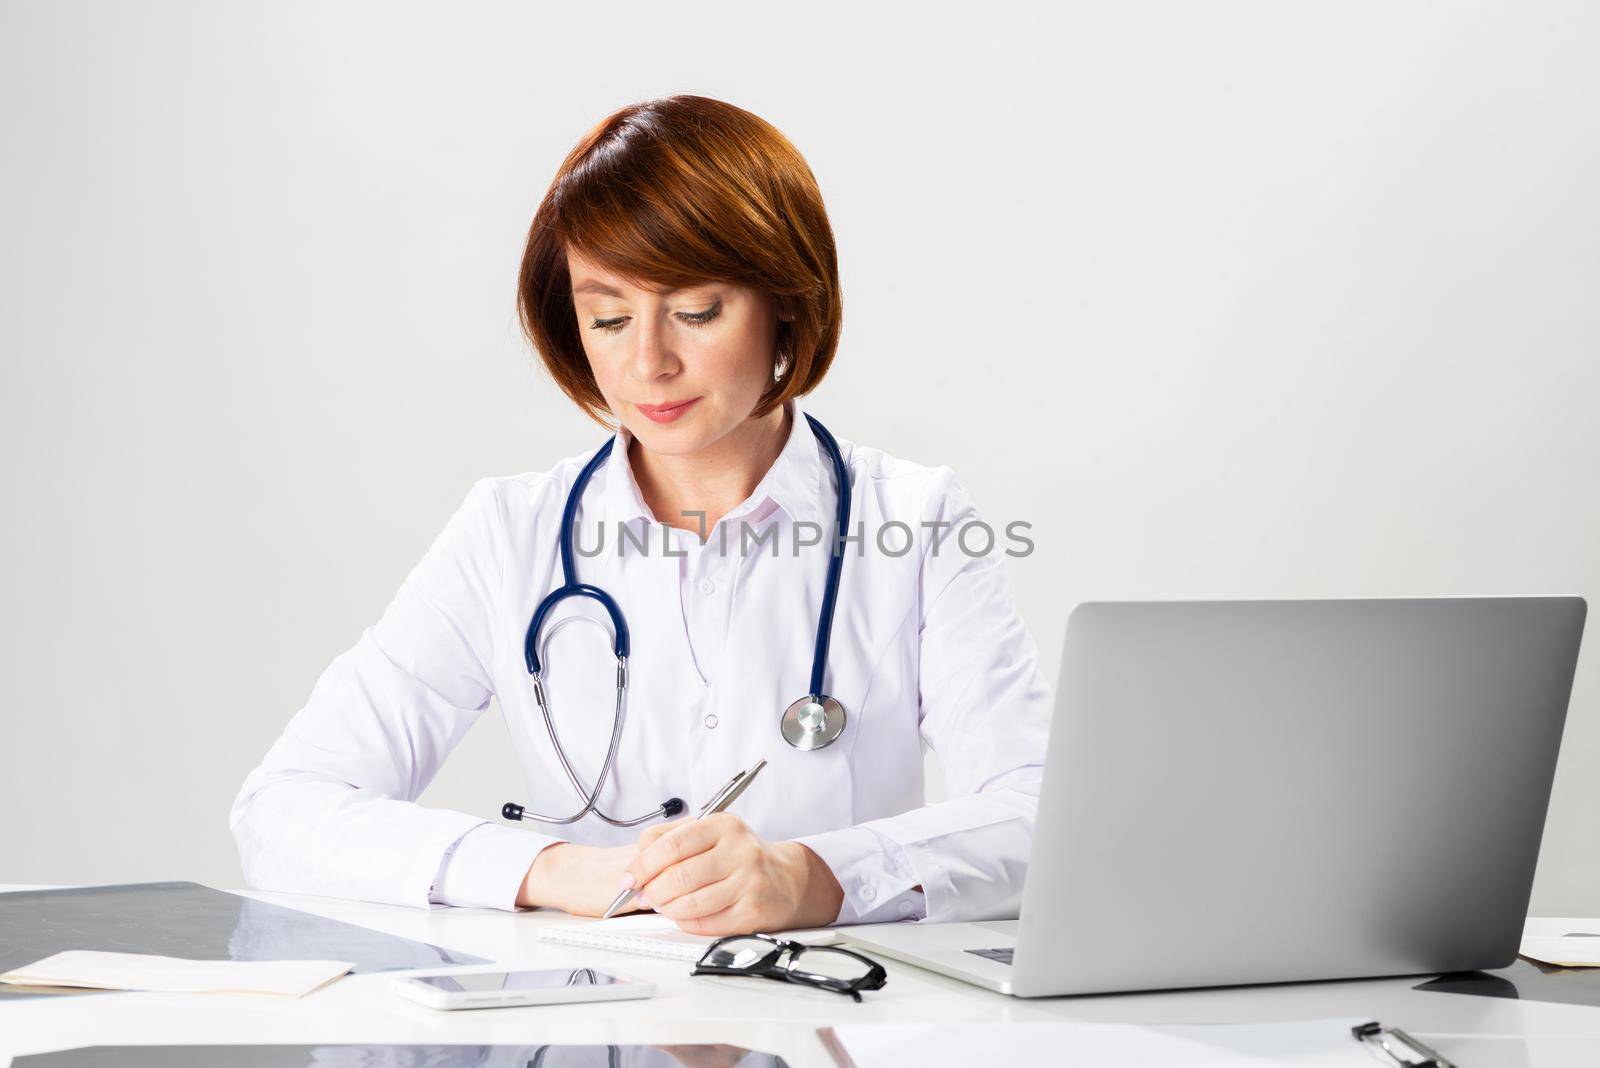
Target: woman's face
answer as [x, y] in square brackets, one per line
[706, 349]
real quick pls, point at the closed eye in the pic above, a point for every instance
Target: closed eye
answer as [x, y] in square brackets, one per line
[616, 323]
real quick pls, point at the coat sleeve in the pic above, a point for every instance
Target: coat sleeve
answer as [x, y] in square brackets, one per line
[985, 709]
[332, 808]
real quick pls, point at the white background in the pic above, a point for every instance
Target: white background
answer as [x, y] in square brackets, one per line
[1228, 299]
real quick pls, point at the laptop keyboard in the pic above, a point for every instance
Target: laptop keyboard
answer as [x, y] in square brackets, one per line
[1002, 956]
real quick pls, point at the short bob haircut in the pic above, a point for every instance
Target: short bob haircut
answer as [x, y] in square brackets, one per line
[677, 192]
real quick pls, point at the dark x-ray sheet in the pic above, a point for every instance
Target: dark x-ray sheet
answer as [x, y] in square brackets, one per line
[194, 922]
[403, 1057]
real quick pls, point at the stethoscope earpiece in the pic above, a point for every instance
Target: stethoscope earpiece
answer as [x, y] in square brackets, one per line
[672, 806]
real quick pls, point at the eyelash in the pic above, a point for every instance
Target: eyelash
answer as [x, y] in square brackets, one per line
[611, 326]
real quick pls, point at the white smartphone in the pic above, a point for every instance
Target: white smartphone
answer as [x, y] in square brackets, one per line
[554, 986]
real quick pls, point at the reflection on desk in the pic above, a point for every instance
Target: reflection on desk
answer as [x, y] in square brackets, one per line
[1526, 981]
[399, 1056]
[192, 921]
[1476, 1032]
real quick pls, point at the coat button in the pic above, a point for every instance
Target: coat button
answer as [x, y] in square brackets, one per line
[905, 908]
[711, 721]
[868, 893]
[708, 587]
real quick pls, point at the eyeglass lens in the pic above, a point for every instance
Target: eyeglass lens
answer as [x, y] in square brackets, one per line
[740, 952]
[827, 963]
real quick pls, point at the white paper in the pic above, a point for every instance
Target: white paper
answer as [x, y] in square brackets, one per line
[1568, 951]
[139, 971]
[654, 935]
[1319, 1043]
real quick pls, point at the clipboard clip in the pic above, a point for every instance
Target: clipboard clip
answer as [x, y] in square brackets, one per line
[1375, 1034]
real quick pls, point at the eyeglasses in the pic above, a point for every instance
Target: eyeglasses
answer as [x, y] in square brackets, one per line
[760, 955]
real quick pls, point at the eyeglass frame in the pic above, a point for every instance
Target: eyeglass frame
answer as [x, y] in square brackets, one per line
[768, 968]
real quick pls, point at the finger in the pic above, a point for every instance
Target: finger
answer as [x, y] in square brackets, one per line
[687, 876]
[672, 846]
[731, 920]
[656, 830]
[675, 880]
[704, 900]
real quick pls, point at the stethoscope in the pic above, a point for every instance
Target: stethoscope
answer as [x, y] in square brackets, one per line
[811, 722]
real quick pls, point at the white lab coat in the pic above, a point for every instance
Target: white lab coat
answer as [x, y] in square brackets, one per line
[927, 648]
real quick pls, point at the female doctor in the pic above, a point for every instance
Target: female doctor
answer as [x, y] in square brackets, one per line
[681, 284]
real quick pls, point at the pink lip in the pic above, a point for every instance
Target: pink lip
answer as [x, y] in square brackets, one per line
[666, 413]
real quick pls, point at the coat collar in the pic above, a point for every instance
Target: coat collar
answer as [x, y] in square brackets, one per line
[793, 483]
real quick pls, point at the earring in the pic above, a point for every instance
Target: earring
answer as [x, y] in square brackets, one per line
[781, 366]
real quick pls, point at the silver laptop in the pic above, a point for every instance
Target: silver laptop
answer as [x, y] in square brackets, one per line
[1270, 791]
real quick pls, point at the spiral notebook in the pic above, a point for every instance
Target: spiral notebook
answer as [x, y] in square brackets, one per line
[652, 935]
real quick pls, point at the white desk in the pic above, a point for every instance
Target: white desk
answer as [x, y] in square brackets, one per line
[777, 1018]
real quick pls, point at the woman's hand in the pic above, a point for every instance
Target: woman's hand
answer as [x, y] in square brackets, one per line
[716, 876]
[577, 879]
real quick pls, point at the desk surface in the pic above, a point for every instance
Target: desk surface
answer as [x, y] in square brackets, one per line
[776, 1018]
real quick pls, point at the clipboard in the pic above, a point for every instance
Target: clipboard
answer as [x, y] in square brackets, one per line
[1376, 1034]
[1329, 1042]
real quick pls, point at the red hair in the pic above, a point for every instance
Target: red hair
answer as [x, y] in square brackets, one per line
[677, 192]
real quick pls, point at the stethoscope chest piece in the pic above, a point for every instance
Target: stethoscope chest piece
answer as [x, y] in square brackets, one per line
[812, 724]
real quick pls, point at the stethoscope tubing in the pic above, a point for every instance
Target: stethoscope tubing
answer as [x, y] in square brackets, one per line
[591, 800]
[830, 592]
[536, 657]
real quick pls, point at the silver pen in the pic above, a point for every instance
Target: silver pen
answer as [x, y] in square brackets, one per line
[719, 801]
